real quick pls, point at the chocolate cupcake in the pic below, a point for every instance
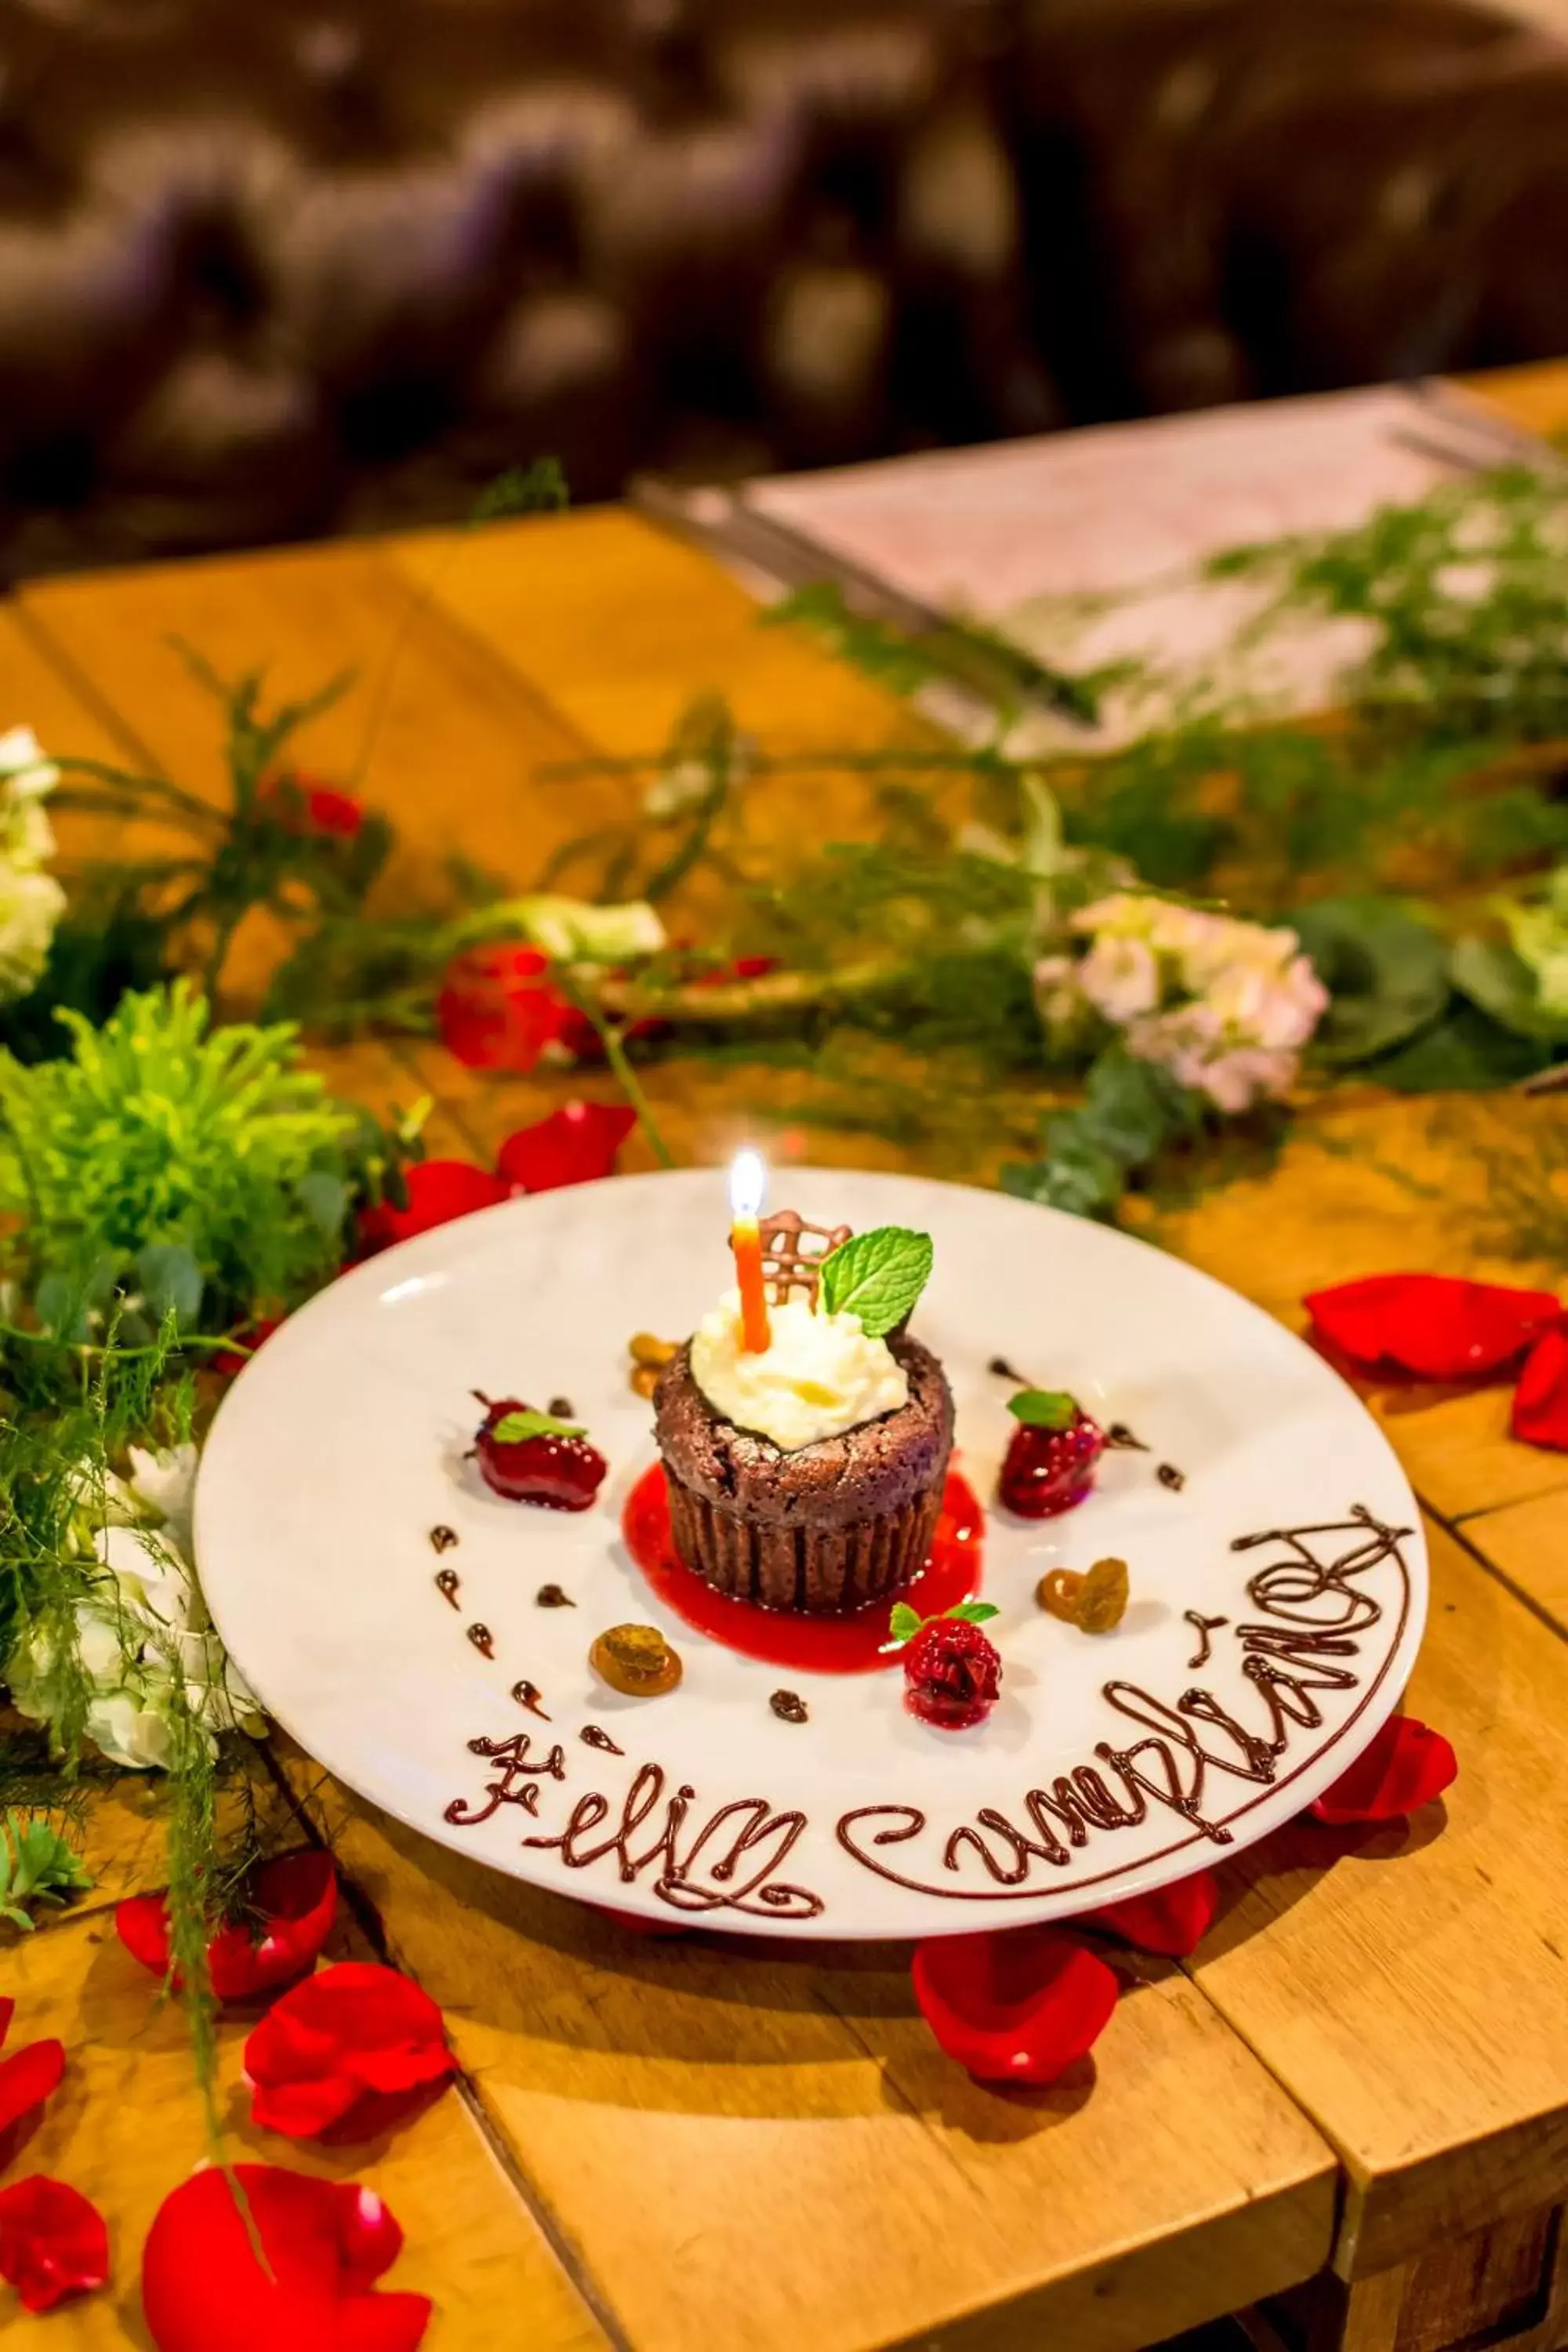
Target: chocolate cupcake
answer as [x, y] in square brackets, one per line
[807, 1476]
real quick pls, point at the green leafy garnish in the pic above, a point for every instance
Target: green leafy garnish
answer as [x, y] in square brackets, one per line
[906, 1623]
[877, 1275]
[36, 1865]
[1044, 1407]
[516, 1427]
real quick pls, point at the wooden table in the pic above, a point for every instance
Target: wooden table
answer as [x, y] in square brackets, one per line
[1356, 2099]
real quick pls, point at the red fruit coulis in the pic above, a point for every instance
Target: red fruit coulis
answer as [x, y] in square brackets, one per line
[855, 1645]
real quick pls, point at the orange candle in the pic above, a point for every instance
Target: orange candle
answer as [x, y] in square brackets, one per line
[746, 1182]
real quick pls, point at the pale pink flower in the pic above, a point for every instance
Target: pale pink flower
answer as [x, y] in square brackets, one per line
[1120, 977]
[1200, 1051]
[1267, 1004]
[1129, 913]
[1058, 996]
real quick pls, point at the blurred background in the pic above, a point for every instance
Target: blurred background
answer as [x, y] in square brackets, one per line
[270, 268]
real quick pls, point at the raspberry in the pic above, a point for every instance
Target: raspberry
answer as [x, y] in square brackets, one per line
[1048, 1470]
[952, 1673]
[559, 1474]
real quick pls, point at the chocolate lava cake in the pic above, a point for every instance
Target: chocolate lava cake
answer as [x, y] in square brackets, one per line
[822, 1529]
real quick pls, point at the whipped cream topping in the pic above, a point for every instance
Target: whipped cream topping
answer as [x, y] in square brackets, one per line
[820, 1376]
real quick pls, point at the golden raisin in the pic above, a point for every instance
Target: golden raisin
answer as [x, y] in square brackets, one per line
[1057, 1594]
[645, 1379]
[636, 1660]
[648, 1349]
[1095, 1603]
[1102, 1602]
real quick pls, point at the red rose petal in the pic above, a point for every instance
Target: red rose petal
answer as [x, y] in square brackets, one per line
[332, 812]
[1541, 1400]
[438, 1190]
[294, 1899]
[1434, 1324]
[498, 1012]
[27, 2078]
[1020, 2006]
[326, 2242]
[52, 2242]
[572, 1146]
[1173, 1921]
[351, 2033]
[1406, 1767]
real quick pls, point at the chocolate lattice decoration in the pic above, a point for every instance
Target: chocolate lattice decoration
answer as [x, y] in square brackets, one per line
[793, 1253]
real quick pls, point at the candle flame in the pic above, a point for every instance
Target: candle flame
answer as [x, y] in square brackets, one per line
[748, 1184]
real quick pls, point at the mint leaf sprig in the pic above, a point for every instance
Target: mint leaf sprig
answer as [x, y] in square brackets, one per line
[906, 1623]
[517, 1428]
[1044, 1407]
[877, 1275]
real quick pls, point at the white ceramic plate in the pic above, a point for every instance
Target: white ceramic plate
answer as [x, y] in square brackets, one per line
[1112, 1764]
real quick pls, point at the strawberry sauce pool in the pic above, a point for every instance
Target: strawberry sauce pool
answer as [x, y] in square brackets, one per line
[858, 1643]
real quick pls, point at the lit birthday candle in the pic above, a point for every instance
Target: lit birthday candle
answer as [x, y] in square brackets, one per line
[748, 1179]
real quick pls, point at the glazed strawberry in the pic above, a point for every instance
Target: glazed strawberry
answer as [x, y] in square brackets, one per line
[1050, 1464]
[953, 1673]
[533, 1458]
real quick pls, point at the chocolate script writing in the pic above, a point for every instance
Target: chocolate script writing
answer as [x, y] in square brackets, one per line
[1311, 1617]
[725, 1859]
[1193, 1757]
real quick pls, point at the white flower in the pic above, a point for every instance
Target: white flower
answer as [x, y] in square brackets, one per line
[27, 771]
[144, 1638]
[31, 905]
[129, 1731]
[165, 1482]
[575, 930]
[674, 790]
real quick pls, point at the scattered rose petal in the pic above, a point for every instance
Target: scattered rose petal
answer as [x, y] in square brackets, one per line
[293, 1900]
[301, 804]
[1017, 2006]
[497, 1010]
[350, 2036]
[26, 2079]
[1434, 1324]
[438, 1190]
[1405, 1768]
[52, 2242]
[330, 811]
[1541, 1400]
[1173, 1921]
[724, 975]
[326, 2243]
[572, 1146]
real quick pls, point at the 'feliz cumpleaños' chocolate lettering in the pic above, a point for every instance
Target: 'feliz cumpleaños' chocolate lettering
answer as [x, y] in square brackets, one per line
[726, 1860]
[1194, 1758]
[1192, 1749]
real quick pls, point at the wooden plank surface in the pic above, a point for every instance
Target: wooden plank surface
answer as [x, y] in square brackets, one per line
[1159, 2232]
[126, 2126]
[1411, 1992]
[1405, 1999]
[809, 2168]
